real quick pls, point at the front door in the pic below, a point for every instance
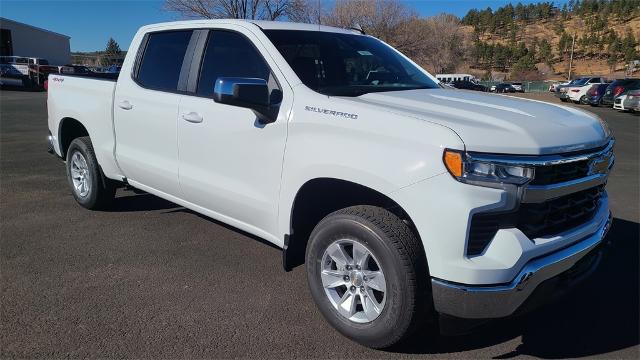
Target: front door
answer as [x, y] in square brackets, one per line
[230, 162]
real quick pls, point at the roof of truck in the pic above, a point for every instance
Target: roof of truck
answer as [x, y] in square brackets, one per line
[266, 25]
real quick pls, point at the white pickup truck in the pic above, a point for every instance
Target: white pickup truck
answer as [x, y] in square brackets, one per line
[407, 201]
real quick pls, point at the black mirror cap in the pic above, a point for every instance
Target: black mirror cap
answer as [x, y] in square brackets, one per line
[251, 93]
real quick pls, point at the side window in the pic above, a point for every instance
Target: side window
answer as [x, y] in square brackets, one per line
[229, 54]
[162, 60]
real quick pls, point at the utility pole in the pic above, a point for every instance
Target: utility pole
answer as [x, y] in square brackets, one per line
[573, 42]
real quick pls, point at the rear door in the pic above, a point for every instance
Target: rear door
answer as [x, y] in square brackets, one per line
[230, 163]
[146, 109]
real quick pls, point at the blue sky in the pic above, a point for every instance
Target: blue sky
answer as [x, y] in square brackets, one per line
[90, 23]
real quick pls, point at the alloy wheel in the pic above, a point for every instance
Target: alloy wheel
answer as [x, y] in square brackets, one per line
[353, 280]
[80, 174]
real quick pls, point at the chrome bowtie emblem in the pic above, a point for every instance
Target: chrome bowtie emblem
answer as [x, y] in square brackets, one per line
[600, 165]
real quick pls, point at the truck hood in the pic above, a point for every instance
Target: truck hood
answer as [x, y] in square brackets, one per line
[497, 123]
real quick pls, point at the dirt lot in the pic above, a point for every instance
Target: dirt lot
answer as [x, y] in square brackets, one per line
[151, 279]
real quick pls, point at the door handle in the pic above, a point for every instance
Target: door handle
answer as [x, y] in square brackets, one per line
[193, 117]
[125, 105]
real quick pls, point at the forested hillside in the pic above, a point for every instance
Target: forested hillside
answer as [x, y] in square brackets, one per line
[534, 40]
[530, 41]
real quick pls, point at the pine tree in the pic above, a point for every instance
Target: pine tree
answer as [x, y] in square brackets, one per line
[629, 47]
[111, 52]
[544, 52]
[565, 12]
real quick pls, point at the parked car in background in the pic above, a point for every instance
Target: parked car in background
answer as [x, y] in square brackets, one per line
[619, 87]
[578, 94]
[113, 69]
[76, 69]
[518, 86]
[632, 101]
[18, 63]
[561, 89]
[595, 93]
[68, 69]
[446, 86]
[468, 85]
[552, 87]
[11, 76]
[34, 69]
[504, 88]
[39, 70]
[618, 102]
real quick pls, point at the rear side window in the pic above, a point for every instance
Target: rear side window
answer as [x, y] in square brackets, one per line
[162, 60]
[229, 54]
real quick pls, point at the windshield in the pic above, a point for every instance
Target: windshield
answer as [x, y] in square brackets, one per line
[347, 64]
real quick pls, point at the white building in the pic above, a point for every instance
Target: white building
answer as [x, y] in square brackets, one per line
[18, 39]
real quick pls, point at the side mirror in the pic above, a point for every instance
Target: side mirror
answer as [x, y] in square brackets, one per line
[248, 93]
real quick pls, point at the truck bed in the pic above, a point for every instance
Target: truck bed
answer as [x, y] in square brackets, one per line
[89, 100]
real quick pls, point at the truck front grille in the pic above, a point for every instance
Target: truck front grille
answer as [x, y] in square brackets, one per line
[546, 175]
[558, 215]
[537, 220]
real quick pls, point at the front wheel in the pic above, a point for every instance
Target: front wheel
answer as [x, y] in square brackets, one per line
[368, 275]
[90, 189]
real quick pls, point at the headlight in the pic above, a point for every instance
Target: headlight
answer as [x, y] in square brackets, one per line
[481, 173]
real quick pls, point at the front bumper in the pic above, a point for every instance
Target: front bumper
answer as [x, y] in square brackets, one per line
[607, 100]
[561, 94]
[632, 103]
[496, 301]
[594, 100]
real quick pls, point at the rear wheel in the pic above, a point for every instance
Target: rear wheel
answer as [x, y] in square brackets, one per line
[368, 275]
[584, 100]
[89, 187]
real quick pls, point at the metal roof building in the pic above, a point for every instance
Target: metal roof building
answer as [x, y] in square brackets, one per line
[18, 39]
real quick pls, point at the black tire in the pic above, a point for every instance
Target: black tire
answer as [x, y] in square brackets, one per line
[101, 190]
[583, 100]
[408, 303]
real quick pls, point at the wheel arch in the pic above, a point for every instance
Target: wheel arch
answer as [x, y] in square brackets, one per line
[68, 130]
[319, 197]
